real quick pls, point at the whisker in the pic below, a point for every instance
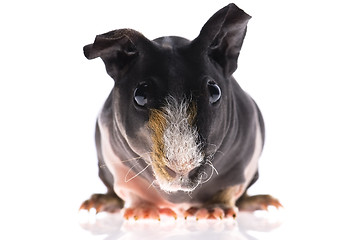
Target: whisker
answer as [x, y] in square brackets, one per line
[190, 193]
[151, 184]
[201, 177]
[212, 166]
[130, 169]
[213, 153]
[136, 158]
[213, 170]
[136, 175]
[219, 152]
[103, 165]
[209, 176]
[207, 179]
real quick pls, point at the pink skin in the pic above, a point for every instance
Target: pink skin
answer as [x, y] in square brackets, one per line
[141, 198]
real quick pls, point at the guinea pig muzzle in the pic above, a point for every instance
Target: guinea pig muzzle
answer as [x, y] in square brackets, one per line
[176, 151]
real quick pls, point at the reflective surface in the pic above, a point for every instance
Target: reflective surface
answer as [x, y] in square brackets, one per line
[113, 227]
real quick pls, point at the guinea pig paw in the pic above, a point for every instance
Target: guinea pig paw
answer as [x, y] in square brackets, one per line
[148, 211]
[257, 202]
[216, 212]
[103, 203]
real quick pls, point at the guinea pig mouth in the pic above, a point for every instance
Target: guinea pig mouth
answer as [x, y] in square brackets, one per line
[187, 182]
[178, 183]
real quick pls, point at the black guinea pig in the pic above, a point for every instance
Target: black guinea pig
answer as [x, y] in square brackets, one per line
[177, 134]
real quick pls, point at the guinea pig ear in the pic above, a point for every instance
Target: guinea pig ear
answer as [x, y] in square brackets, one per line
[222, 37]
[118, 49]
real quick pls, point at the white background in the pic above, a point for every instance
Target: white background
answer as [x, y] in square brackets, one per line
[300, 62]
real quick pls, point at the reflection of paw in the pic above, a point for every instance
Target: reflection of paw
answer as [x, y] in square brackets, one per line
[257, 202]
[215, 212]
[148, 211]
[103, 203]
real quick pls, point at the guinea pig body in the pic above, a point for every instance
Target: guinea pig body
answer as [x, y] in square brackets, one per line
[177, 133]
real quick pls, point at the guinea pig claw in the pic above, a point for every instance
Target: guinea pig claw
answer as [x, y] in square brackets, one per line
[168, 212]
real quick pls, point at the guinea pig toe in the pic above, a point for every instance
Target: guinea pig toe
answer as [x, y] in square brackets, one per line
[230, 213]
[224, 212]
[202, 213]
[190, 212]
[216, 213]
[168, 212]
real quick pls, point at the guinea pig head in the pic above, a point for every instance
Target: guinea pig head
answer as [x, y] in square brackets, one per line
[172, 97]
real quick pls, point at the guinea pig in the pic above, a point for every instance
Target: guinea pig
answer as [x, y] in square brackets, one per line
[177, 134]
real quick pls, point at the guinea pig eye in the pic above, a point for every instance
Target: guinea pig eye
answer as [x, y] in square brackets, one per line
[140, 94]
[214, 92]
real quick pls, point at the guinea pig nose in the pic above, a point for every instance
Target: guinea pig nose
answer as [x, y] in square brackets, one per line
[171, 173]
[193, 173]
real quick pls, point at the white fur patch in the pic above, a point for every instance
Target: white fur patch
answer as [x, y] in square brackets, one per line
[180, 138]
[181, 148]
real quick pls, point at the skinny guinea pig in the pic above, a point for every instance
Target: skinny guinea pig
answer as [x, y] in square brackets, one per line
[177, 135]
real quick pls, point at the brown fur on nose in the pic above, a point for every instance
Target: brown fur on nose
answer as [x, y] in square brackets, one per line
[157, 124]
[192, 113]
